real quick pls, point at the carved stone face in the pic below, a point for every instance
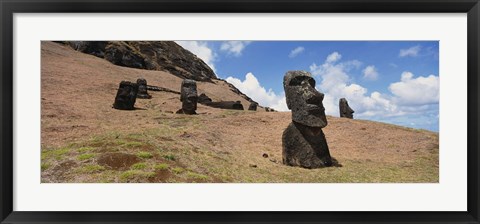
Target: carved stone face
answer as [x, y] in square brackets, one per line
[189, 95]
[303, 99]
[253, 106]
[126, 95]
[142, 89]
[345, 110]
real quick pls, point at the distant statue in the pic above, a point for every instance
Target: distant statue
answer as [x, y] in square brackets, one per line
[345, 110]
[189, 97]
[230, 105]
[303, 141]
[142, 89]
[253, 106]
[203, 99]
[126, 96]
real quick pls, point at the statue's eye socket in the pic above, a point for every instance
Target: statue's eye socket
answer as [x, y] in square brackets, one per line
[299, 80]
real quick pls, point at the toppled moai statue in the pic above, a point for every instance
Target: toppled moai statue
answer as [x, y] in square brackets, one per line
[189, 97]
[345, 110]
[231, 105]
[142, 89]
[253, 106]
[126, 96]
[303, 141]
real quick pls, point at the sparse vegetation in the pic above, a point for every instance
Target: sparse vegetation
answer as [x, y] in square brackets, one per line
[145, 155]
[196, 176]
[90, 169]
[85, 156]
[56, 154]
[85, 149]
[45, 166]
[178, 170]
[139, 166]
[132, 144]
[135, 175]
[169, 157]
[161, 166]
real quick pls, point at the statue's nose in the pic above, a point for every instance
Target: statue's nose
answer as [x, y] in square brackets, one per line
[313, 96]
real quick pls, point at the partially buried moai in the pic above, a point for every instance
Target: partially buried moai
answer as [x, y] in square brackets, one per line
[345, 110]
[189, 97]
[303, 141]
[126, 96]
[253, 106]
[142, 89]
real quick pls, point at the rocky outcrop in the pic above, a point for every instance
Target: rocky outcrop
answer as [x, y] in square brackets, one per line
[152, 55]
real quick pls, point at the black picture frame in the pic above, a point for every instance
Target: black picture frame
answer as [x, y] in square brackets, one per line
[9, 7]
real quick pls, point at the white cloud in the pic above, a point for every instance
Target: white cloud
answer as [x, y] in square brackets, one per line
[412, 52]
[234, 47]
[370, 73]
[296, 52]
[252, 88]
[333, 57]
[200, 49]
[336, 84]
[416, 91]
[411, 101]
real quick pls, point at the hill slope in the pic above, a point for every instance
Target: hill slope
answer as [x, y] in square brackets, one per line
[85, 140]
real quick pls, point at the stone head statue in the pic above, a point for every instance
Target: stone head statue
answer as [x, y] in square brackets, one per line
[303, 99]
[126, 96]
[142, 89]
[253, 106]
[345, 110]
[188, 96]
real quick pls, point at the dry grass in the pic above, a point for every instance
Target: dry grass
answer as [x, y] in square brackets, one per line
[82, 134]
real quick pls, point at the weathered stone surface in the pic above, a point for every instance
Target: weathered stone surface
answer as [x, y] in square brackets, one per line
[304, 100]
[189, 97]
[345, 110]
[253, 106]
[142, 89]
[231, 105]
[126, 96]
[305, 146]
[304, 143]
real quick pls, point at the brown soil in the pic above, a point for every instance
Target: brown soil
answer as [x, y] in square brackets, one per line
[117, 161]
[216, 145]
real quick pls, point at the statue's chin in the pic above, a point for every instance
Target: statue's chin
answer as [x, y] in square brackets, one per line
[312, 122]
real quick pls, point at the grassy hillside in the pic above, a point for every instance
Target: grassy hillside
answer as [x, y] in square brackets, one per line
[85, 140]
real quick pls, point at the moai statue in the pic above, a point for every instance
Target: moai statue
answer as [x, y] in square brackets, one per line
[189, 97]
[303, 141]
[142, 89]
[237, 105]
[202, 98]
[126, 96]
[345, 110]
[253, 106]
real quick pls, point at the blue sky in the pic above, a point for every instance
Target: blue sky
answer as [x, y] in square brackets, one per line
[389, 81]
